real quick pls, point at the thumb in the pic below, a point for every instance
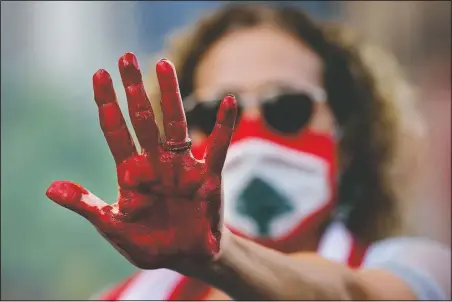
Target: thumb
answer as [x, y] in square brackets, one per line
[76, 198]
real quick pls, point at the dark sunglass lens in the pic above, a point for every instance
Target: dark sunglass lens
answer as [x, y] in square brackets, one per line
[288, 113]
[203, 116]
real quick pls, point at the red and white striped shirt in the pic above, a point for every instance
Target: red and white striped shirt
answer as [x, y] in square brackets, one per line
[337, 244]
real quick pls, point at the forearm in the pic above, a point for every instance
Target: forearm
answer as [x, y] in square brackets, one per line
[248, 271]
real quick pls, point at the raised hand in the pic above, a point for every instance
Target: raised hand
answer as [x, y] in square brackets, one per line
[169, 205]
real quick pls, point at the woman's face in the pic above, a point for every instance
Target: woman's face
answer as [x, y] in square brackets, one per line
[290, 175]
[255, 62]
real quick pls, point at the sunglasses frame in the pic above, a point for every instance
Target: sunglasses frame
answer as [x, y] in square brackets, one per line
[315, 94]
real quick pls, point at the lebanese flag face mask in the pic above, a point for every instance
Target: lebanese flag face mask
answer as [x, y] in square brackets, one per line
[277, 189]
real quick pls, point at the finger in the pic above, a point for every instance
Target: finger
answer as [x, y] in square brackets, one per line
[140, 109]
[220, 137]
[174, 121]
[76, 198]
[111, 119]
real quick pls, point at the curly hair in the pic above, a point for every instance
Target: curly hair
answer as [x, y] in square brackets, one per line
[366, 94]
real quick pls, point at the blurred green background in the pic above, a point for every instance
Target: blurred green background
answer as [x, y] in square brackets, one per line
[50, 131]
[55, 253]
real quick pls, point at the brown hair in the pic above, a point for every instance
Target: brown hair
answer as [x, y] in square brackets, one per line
[363, 101]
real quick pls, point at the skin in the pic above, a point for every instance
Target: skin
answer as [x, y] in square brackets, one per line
[244, 61]
[247, 61]
[163, 191]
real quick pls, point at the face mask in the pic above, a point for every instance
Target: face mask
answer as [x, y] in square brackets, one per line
[276, 188]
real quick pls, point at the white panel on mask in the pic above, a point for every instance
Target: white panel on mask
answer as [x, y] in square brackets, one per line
[270, 189]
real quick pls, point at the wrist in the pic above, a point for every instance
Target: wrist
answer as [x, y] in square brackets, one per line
[226, 243]
[228, 270]
[206, 268]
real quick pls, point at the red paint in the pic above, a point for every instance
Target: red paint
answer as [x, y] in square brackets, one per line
[111, 119]
[174, 120]
[307, 141]
[169, 203]
[221, 135]
[140, 109]
[72, 192]
[69, 194]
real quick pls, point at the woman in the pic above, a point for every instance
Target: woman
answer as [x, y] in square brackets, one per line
[306, 95]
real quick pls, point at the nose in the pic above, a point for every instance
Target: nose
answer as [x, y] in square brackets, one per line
[251, 105]
[252, 113]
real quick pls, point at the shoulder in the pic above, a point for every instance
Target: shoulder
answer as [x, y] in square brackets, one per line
[424, 265]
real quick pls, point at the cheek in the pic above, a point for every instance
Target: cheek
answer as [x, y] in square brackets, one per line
[322, 119]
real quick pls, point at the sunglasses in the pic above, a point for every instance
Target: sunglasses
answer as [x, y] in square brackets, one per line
[284, 112]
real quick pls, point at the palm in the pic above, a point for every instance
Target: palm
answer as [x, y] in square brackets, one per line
[169, 204]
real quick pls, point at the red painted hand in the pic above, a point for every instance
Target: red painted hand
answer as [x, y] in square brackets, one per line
[169, 207]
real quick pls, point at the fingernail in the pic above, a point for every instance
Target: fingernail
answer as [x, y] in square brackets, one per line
[228, 110]
[130, 71]
[129, 60]
[103, 88]
[164, 66]
[166, 75]
[65, 192]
